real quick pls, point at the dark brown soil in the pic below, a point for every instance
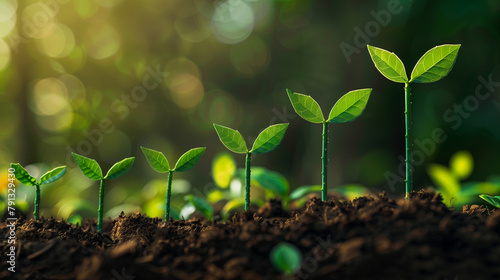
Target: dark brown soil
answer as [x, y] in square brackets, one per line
[368, 238]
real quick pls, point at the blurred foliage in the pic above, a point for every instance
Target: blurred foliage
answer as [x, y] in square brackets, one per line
[102, 78]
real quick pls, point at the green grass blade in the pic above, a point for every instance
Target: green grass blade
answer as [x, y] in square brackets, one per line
[306, 107]
[388, 64]
[88, 166]
[269, 138]
[201, 205]
[232, 139]
[189, 159]
[435, 64]
[120, 168]
[22, 175]
[493, 200]
[156, 159]
[53, 175]
[350, 106]
[286, 257]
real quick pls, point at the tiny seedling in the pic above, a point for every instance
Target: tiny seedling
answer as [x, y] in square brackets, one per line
[346, 109]
[493, 200]
[267, 141]
[286, 258]
[434, 65]
[91, 169]
[24, 177]
[159, 163]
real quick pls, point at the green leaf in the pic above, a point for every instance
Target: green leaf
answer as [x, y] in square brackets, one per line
[88, 166]
[189, 159]
[156, 159]
[53, 175]
[231, 138]
[447, 184]
[493, 200]
[200, 205]
[286, 257]
[301, 191]
[75, 219]
[306, 107]
[435, 64]
[388, 64]
[270, 180]
[216, 195]
[350, 106]
[120, 168]
[187, 210]
[223, 168]
[461, 164]
[269, 138]
[22, 175]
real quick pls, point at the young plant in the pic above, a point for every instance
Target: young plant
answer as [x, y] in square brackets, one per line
[346, 109]
[493, 200]
[159, 162]
[286, 258]
[267, 141]
[91, 169]
[434, 65]
[24, 177]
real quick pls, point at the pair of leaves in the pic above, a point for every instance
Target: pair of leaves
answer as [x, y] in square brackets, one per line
[267, 140]
[286, 257]
[346, 109]
[434, 65]
[159, 162]
[92, 170]
[24, 177]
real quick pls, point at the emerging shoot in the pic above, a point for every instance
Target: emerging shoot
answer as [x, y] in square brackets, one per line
[348, 108]
[434, 65]
[267, 141]
[159, 163]
[24, 177]
[91, 169]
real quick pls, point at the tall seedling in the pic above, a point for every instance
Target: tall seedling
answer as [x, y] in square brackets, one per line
[346, 109]
[24, 177]
[267, 141]
[434, 65]
[92, 170]
[159, 163]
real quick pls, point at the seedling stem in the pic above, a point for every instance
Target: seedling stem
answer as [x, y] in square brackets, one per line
[324, 157]
[408, 140]
[36, 212]
[169, 192]
[247, 179]
[101, 206]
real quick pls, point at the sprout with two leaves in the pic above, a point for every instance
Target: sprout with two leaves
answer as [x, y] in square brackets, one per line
[24, 177]
[91, 169]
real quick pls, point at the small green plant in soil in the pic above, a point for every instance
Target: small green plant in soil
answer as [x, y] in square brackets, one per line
[286, 257]
[346, 109]
[91, 169]
[449, 181]
[434, 65]
[159, 163]
[267, 141]
[24, 177]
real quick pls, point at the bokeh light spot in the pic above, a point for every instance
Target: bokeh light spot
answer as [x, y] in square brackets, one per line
[57, 44]
[232, 21]
[7, 9]
[250, 57]
[50, 96]
[102, 41]
[186, 90]
[37, 20]
[4, 54]
[192, 28]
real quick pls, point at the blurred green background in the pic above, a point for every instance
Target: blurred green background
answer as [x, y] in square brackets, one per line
[103, 77]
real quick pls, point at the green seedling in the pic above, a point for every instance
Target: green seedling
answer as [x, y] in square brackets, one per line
[24, 177]
[91, 169]
[434, 65]
[493, 200]
[286, 258]
[159, 163]
[346, 109]
[267, 141]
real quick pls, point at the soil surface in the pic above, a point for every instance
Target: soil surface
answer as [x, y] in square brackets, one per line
[371, 237]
